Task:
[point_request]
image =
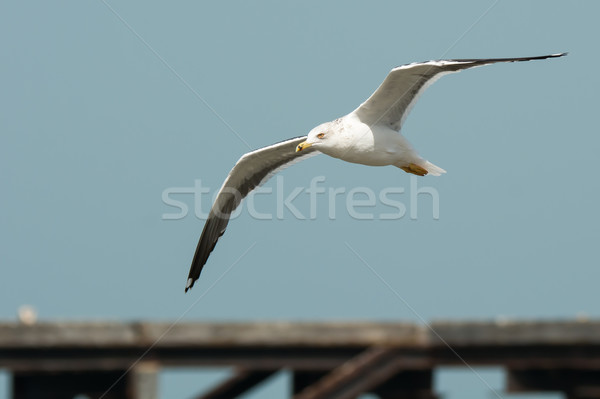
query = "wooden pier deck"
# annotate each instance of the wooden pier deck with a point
(52, 360)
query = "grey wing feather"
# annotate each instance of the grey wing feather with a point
(250, 171)
(394, 98)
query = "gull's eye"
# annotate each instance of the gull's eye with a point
(320, 135)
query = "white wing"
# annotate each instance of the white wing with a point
(250, 171)
(392, 101)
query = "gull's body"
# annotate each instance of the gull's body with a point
(369, 135)
(373, 145)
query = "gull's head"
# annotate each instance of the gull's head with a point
(320, 137)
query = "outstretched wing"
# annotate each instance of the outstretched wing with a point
(250, 171)
(392, 101)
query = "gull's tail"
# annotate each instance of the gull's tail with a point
(432, 169)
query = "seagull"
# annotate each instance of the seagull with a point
(369, 135)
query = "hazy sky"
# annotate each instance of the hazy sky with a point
(98, 125)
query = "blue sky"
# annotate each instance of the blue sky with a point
(97, 123)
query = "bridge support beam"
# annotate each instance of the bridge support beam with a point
(141, 382)
(378, 370)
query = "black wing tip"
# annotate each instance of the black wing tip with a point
(557, 55)
(189, 284)
(483, 61)
(514, 59)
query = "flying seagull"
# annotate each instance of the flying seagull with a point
(369, 135)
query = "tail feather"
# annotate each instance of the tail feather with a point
(432, 169)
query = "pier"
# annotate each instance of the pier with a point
(122, 360)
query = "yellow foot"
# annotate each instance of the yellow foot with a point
(414, 169)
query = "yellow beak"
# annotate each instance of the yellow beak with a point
(302, 146)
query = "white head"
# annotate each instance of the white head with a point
(321, 137)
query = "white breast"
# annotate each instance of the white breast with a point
(376, 145)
